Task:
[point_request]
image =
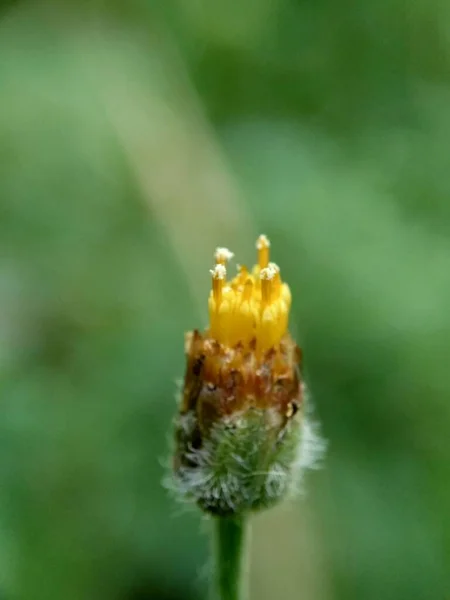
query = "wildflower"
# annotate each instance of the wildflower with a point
(241, 428)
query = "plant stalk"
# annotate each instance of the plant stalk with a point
(231, 572)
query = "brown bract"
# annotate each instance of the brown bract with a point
(221, 381)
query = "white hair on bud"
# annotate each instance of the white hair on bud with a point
(200, 481)
(312, 448)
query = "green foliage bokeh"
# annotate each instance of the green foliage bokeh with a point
(135, 136)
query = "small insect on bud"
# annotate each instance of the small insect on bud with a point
(241, 430)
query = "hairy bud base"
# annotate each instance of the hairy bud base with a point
(239, 427)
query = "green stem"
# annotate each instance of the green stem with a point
(230, 560)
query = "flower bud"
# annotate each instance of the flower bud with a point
(241, 433)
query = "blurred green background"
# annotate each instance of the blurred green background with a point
(137, 136)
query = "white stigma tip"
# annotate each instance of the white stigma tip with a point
(219, 272)
(262, 242)
(267, 273)
(223, 255)
(275, 268)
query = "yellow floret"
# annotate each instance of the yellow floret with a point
(251, 306)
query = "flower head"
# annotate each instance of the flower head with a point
(240, 423)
